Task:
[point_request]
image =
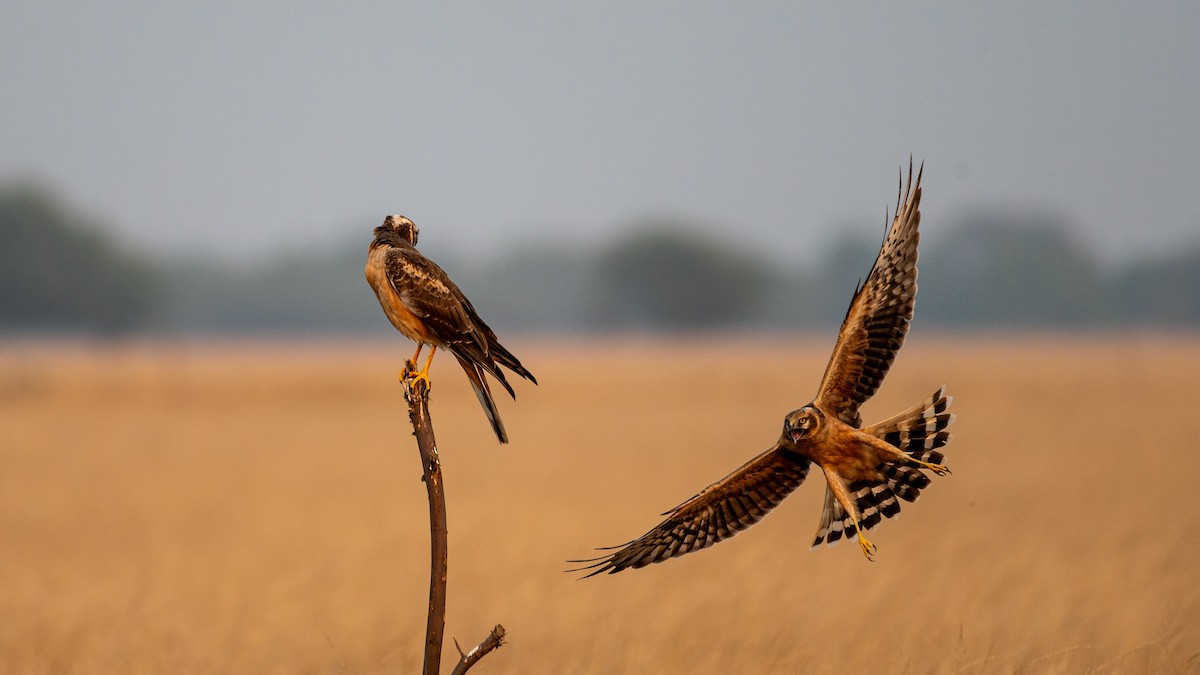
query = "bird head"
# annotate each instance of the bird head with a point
(400, 226)
(800, 424)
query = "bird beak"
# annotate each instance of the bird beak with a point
(791, 432)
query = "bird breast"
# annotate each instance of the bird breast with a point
(393, 306)
(838, 446)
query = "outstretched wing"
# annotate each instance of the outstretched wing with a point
(878, 317)
(720, 511)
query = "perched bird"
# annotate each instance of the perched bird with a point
(866, 469)
(427, 307)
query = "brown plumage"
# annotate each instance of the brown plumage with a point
(427, 307)
(866, 470)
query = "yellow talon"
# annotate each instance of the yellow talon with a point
(939, 469)
(868, 548)
(419, 375)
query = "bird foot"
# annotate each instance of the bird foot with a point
(868, 548)
(413, 378)
(939, 469)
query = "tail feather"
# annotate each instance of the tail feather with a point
(875, 501)
(471, 353)
(490, 366)
(491, 360)
(479, 383)
(905, 481)
(489, 346)
(506, 359)
(918, 432)
(831, 528)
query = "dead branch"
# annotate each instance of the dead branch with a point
(492, 641)
(417, 394)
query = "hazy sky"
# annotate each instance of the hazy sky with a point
(235, 126)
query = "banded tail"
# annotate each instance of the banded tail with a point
(918, 432)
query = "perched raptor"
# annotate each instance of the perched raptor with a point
(867, 470)
(423, 303)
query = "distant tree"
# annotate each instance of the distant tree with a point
(58, 272)
(1012, 270)
(1165, 291)
(307, 291)
(535, 286)
(665, 277)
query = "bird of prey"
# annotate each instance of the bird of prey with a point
(427, 307)
(867, 470)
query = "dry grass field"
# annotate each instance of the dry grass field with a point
(182, 508)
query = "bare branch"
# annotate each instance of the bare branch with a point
(416, 392)
(481, 650)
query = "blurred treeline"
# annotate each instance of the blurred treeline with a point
(59, 273)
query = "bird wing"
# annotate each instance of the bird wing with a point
(428, 292)
(718, 512)
(878, 317)
(496, 350)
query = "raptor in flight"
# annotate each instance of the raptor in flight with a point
(423, 303)
(867, 470)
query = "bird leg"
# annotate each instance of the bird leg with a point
(939, 469)
(887, 450)
(412, 363)
(867, 547)
(422, 374)
(843, 497)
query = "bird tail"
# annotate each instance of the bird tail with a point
(479, 383)
(506, 359)
(918, 432)
(491, 358)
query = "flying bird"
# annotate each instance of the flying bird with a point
(422, 302)
(867, 470)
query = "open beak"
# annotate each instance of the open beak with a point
(793, 433)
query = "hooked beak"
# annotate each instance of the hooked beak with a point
(793, 433)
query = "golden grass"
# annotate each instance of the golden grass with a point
(256, 508)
